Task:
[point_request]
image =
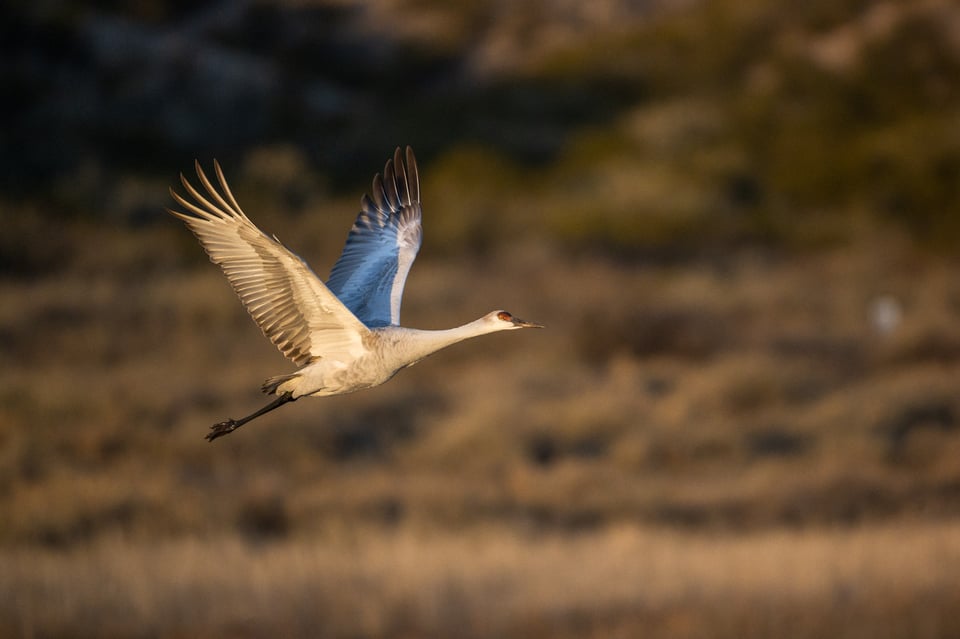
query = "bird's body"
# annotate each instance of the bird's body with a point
(385, 351)
(344, 334)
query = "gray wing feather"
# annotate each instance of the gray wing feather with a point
(288, 302)
(382, 244)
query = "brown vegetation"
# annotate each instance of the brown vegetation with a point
(886, 581)
(732, 450)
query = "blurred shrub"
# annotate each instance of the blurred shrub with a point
(472, 190)
(685, 334)
(702, 126)
(829, 109)
(29, 245)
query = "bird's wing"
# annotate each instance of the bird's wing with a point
(290, 304)
(381, 247)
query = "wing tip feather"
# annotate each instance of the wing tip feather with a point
(413, 177)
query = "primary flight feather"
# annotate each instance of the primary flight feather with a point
(345, 334)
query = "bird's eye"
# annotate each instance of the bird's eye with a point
(505, 316)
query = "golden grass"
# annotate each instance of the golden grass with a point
(724, 447)
(886, 581)
(751, 392)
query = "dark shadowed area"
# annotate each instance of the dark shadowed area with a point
(738, 220)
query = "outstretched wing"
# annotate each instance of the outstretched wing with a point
(290, 304)
(381, 247)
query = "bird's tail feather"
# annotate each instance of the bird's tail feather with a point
(273, 383)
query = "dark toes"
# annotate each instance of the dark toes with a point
(220, 429)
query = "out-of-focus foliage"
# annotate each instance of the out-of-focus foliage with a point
(820, 110)
(667, 128)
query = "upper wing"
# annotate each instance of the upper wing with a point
(382, 245)
(290, 304)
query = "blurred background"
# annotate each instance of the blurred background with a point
(738, 220)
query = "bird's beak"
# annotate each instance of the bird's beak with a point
(519, 323)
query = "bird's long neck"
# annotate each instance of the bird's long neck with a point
(417, 344)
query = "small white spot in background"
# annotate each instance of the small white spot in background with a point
(886, 313)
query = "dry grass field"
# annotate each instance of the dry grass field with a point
(719, 448)
(624, 581)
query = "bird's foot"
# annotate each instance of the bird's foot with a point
(222, 428)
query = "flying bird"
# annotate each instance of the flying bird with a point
(344, 335)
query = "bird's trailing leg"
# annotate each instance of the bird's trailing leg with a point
(224, 428)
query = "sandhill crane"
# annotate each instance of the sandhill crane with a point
(344, 335)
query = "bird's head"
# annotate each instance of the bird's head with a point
(504, 321)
